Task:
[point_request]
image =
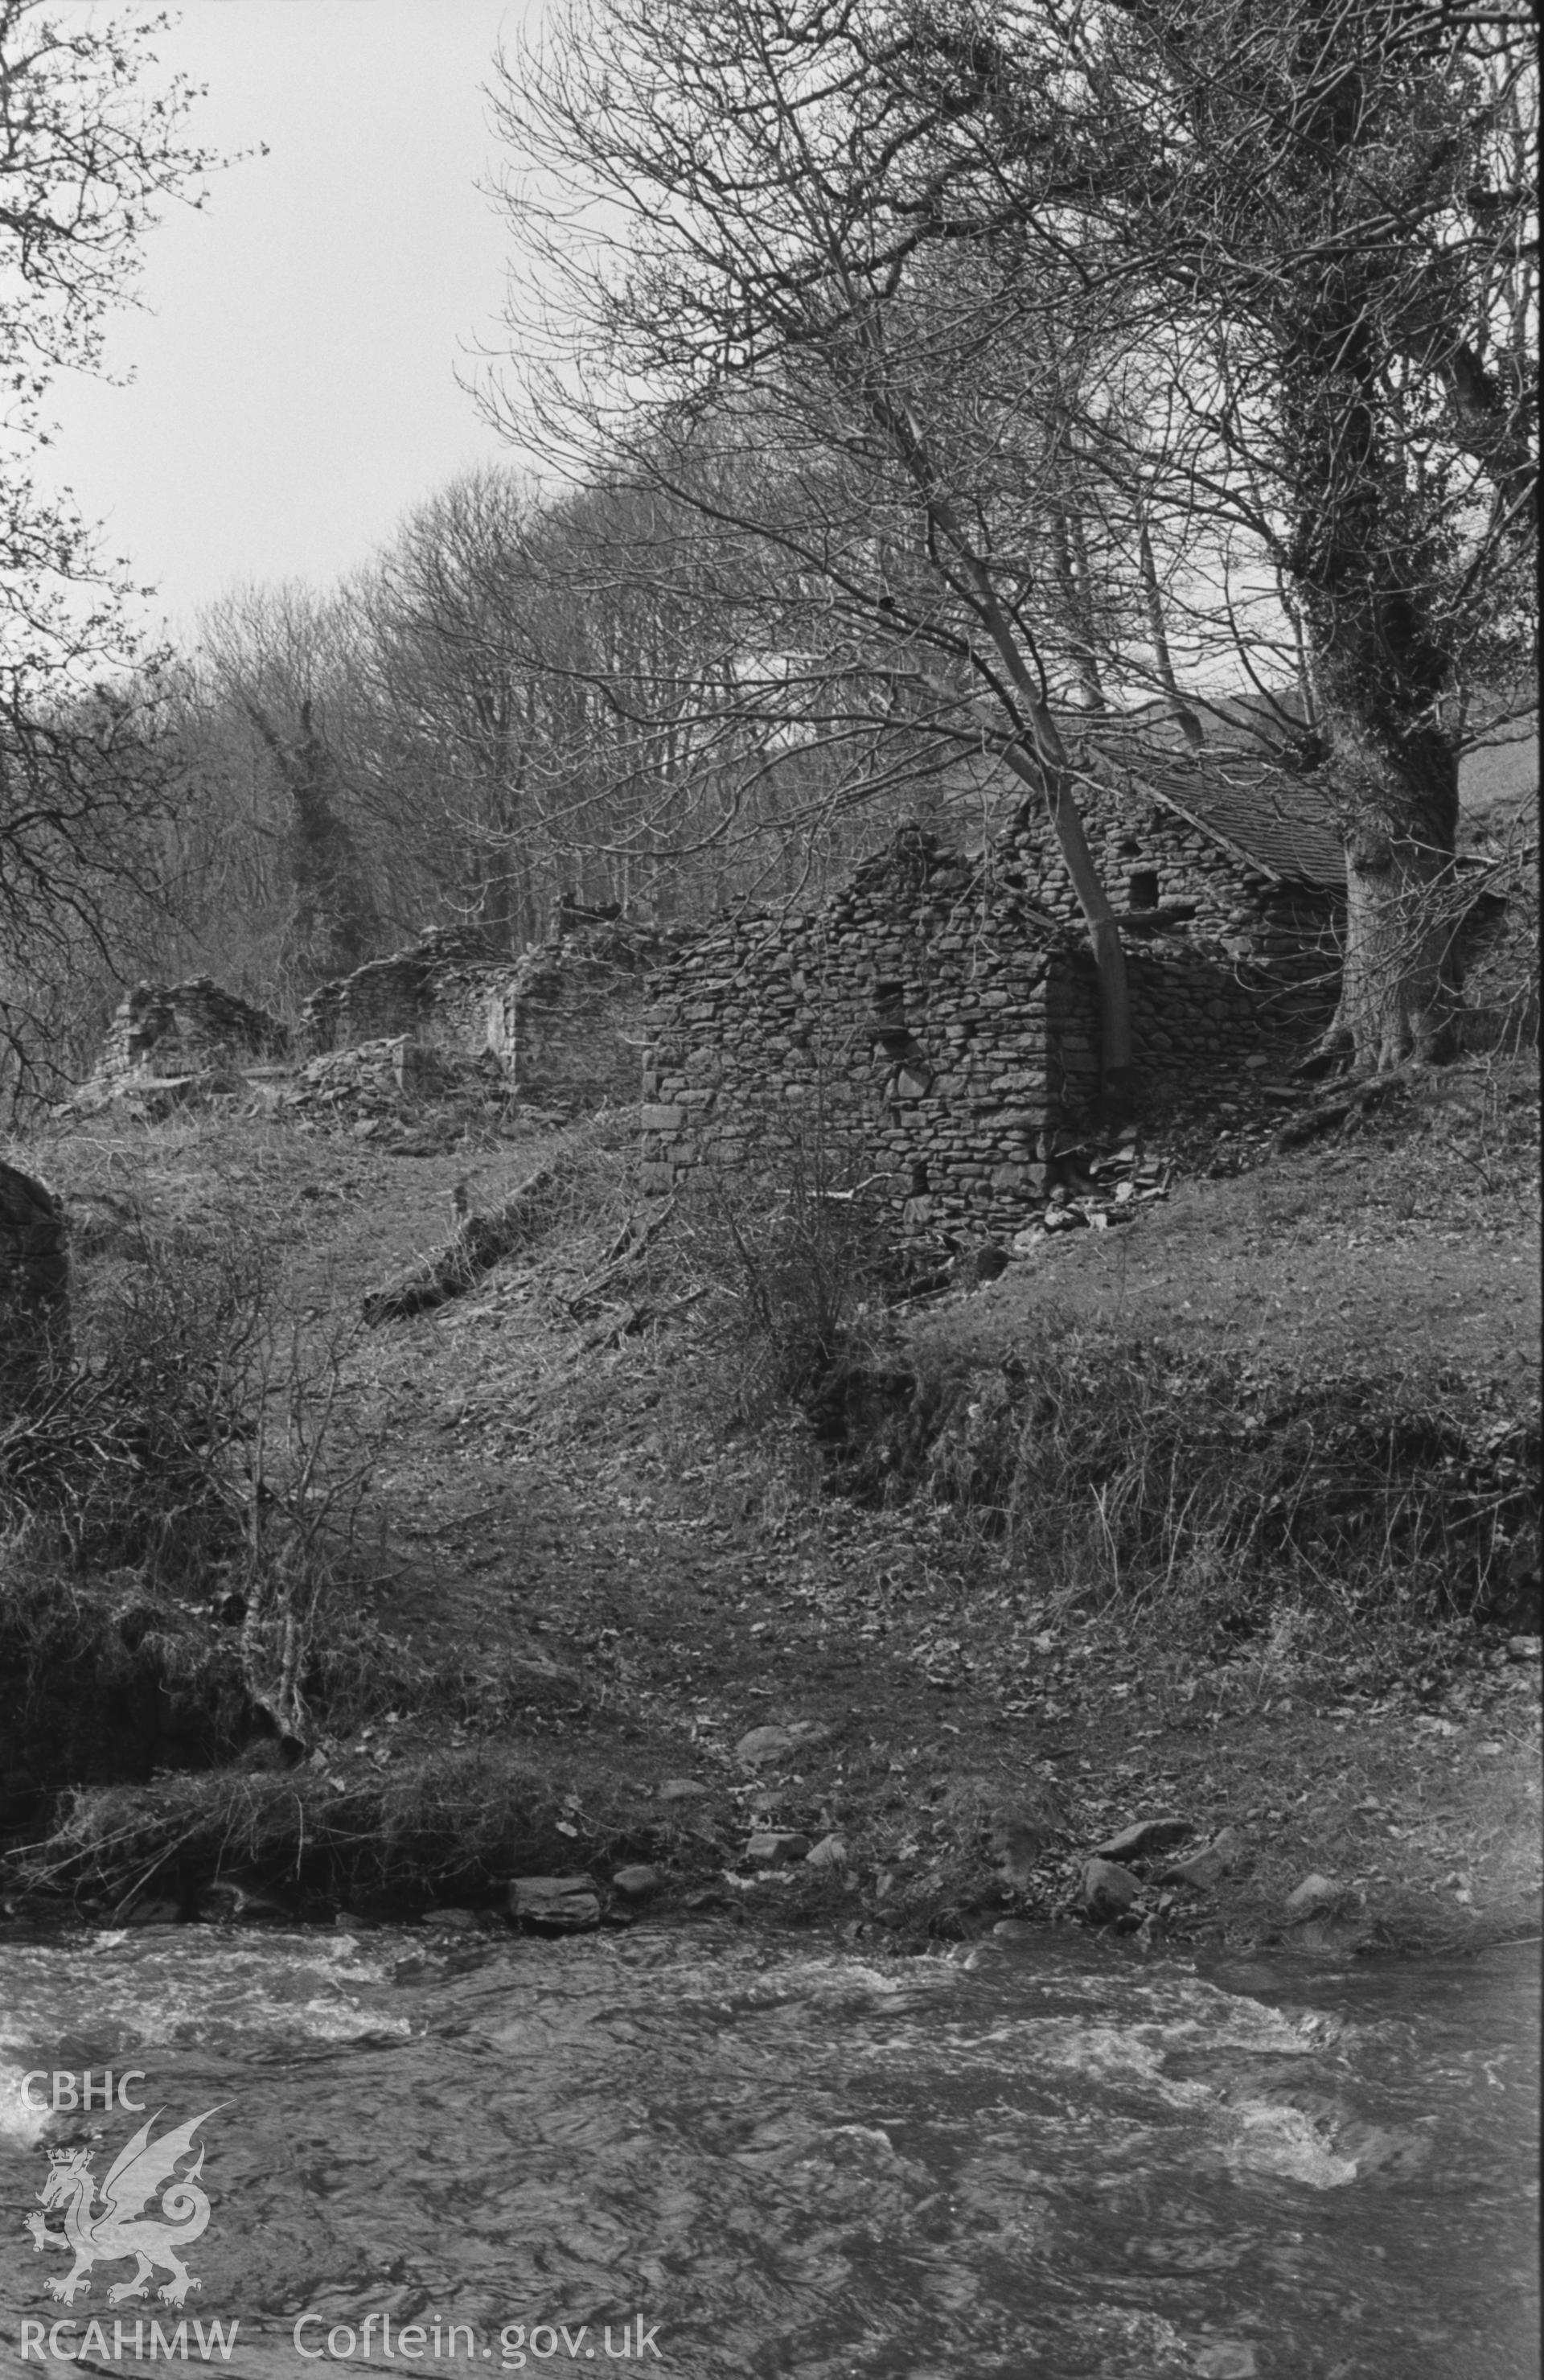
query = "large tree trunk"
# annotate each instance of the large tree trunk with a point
(1365, 576)
(1397, 1002)
(334, 905)
(1399, 797)
(1050, 779)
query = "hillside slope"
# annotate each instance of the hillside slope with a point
(595, 1550)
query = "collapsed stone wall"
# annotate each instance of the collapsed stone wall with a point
(442, 970)
(406, 1095)
(567, 1020)
(563, 1019)
(178, 1033)
(938, 1031)
(1498, 961)
(34, 1286)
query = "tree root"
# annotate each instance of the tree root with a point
(1354, 1100)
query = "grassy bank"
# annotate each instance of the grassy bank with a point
(1221, 1515)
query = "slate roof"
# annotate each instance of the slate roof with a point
(1287, 824)
(1266, 817)
(1274, 821)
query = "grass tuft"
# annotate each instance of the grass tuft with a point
(1122, 1470)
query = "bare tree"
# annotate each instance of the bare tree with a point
(278, 670)
(1242, 293)
(443, 655)
(556, 686)
(1329, 219)
(752, 322)
(87, 149)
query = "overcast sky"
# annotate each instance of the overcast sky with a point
(295, 388)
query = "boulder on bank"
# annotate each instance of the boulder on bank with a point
(34, 1285)
(765, 1744)
(568, 1905)
(1316, 1895)
(637, 1882)
(775, 1848)
(1144, 1839)
(1205, 1868)
(1108, 1890)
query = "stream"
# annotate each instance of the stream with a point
(704, 2154)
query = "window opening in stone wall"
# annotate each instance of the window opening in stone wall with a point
(1144, 888)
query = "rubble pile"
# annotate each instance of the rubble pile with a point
(1096, 1191)
(411, 1097)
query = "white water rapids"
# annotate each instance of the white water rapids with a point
(704, 2156)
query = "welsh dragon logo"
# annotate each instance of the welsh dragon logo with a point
(120, 2227)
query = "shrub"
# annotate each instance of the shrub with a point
(796, 1254)
(131, 1453)
(189, 1448)
(102, 1677)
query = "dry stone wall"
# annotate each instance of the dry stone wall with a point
(930, 1027)
(1151, 858)
(563, 1019)
(1498, 960)
(34, 1286)
(567, 1020)
(187, 1028)
(171, 1041)
(444, 969)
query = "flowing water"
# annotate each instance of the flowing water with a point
(710, 2156)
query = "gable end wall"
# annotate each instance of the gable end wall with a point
(932, 1030)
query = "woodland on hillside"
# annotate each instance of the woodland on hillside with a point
(890, 392)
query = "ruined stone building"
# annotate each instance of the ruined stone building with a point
(165, 1037)
(937, 1015)
(562, 1020)
(1240, 859)
(932, 1024)
(936, 1020)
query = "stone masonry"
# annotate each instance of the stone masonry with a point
(34, 1286)
(164, 1032)
(563, 1019)
(438, 981)
(568, 1019)
(1246, 861)
(930, 1020)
